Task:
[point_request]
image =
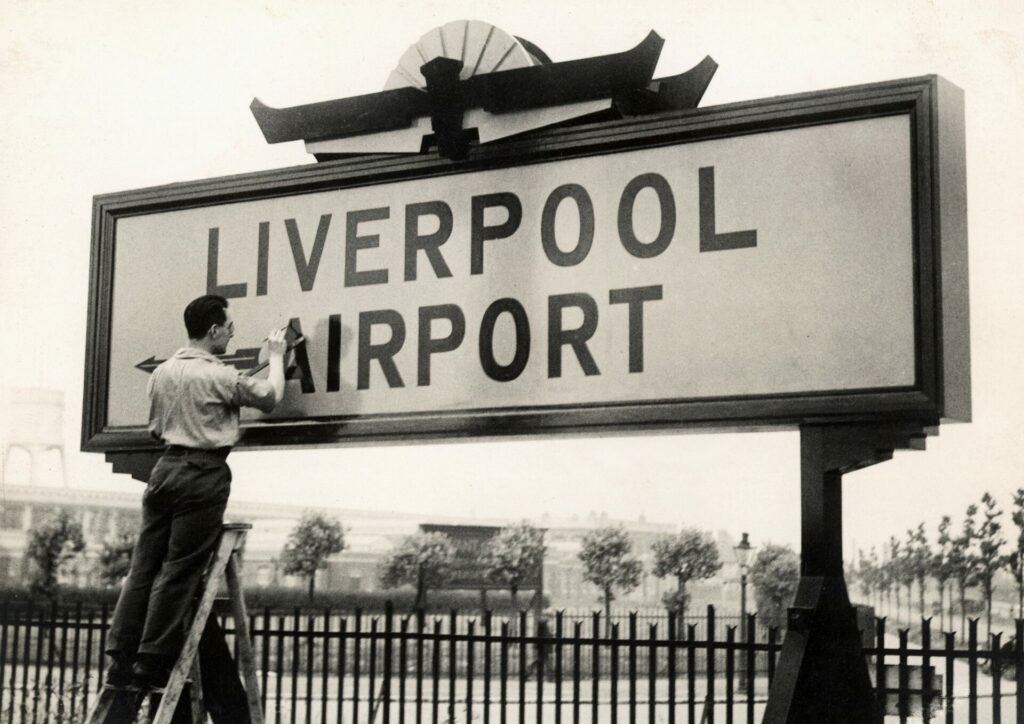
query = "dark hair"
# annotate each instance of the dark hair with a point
(204, 312)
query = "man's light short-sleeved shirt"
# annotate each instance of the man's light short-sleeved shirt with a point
(195, 400)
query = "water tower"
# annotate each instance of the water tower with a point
(33, 433)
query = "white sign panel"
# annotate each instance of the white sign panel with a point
(758, 266)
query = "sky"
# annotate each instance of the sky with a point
(107, 96)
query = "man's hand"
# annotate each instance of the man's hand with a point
(277, 345)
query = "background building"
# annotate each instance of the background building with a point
(32, 490)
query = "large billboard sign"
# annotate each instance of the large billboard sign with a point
(774, 262)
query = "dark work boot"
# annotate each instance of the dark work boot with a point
(151, 671)
(119, 673)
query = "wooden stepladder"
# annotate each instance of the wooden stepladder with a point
(224, 562)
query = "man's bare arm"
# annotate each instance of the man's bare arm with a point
(276, 348)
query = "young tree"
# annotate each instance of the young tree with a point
(875, 569)
(962, 561)
(894, 568)
(1015, 561)
(885, 583)
(52, 547)
(989, 559)
(315, 538)
(942, 568)
(690, 555)
(514, 555)
(864, 574)
(775, 574)
(424, 560)
(115, 559)
(918, 562)
(609, 563)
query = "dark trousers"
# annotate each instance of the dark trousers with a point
(223, 695)
(182, 513)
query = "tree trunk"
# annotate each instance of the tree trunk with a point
(515, 599)
(312, 584)
(942, 603)
(607, 611)
(963, 610)
(988, 609)
(421, 590)
(920, 594)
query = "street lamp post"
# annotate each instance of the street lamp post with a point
(742, 551)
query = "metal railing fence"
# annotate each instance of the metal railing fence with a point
(326, 666)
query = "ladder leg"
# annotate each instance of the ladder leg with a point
(247, 659)
(172, 692)
(196, 694)
(100, 707)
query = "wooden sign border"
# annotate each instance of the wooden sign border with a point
(942, 366)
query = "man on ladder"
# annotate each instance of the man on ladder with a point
(195, 400)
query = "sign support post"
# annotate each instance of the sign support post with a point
(822, 673)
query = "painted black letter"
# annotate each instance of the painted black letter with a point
(334, 353)
(514, 368)
(635, 298)
(627, 233)
(229, 291)
(429, 345)
(354, 242)
(428, 243)
(263, 259)
(479, 233)
(301, 368)
(383, 352)
(709, 239)
(306, 269)
(585, 209)
(577, 338)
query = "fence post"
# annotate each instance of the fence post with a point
(470, 634)
(926, 669)
(558, 667)
(521, 634)
(296, 625)
(613, 676)
(453, 620)
(972, 671)
(880, 662)
(730, 671)
(950, 651)
(595, 664)
(1018, 673)
(576, 653)
(632, 667)
(503, 668)
(903, 677)
(709, 700)
(342, 664)
(385, 684)
(751, 667)
(403, 666)
(995, 641)
(487, 667)
(652, 672)
(691, 671)
(325, 658)
(672, 669)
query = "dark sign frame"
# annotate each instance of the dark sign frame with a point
(942, 364)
